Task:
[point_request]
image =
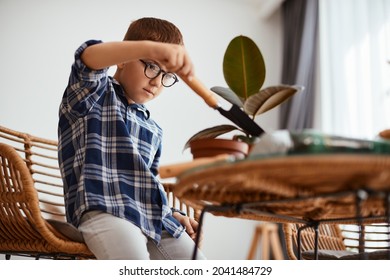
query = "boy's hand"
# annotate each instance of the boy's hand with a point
(190, 225)
(176, 59)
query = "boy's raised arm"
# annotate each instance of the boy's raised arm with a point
(172, 56)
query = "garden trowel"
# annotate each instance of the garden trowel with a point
(235, 114)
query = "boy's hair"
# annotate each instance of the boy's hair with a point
(154, 29)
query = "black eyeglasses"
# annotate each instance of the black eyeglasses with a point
(152, 71)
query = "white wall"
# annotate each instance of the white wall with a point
(38, 39)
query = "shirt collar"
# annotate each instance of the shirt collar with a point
(121, 93)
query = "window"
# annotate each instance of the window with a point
(355, 67)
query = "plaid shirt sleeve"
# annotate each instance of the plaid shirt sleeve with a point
(109, 152)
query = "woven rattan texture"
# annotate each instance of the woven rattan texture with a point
(330, 238)
(30, 192)
(308, 187)
(334, 237)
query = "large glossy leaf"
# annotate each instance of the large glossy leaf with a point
(211, 132)
(243, 67)
(229, 95)
(269, 98)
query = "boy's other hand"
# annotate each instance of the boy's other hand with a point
(176, 59)
(190, 225)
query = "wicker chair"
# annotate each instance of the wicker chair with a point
(338, 241)
(32, 211)
(32, 215)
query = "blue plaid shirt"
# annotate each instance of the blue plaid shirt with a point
(109, 152)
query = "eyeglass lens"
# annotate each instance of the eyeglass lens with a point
(153, 70)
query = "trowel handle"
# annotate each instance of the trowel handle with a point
(208, 96)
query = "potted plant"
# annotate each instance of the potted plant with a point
(244, 72)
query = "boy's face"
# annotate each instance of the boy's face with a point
(138, 88)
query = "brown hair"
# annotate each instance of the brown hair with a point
(154, 29)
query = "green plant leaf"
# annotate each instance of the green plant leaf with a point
(269, 98)
(243, 67)
(211, 132)
(229, 95)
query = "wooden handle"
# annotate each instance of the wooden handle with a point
(385, 134)
(208, 96)
(172, 170)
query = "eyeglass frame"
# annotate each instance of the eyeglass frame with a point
(147, 64)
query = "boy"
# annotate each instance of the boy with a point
(109, 147)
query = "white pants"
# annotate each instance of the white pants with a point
(113, 238)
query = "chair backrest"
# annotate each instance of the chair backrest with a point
(329, 238)
(17, 194)
(375, 237)
(23, 230)
(19, 198)
(334, 237)
(40, 156)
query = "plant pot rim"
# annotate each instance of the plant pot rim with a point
(217, 141)
(215, 146)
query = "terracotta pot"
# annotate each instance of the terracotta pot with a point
(213, 147)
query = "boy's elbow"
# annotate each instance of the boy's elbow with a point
(89, 59)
